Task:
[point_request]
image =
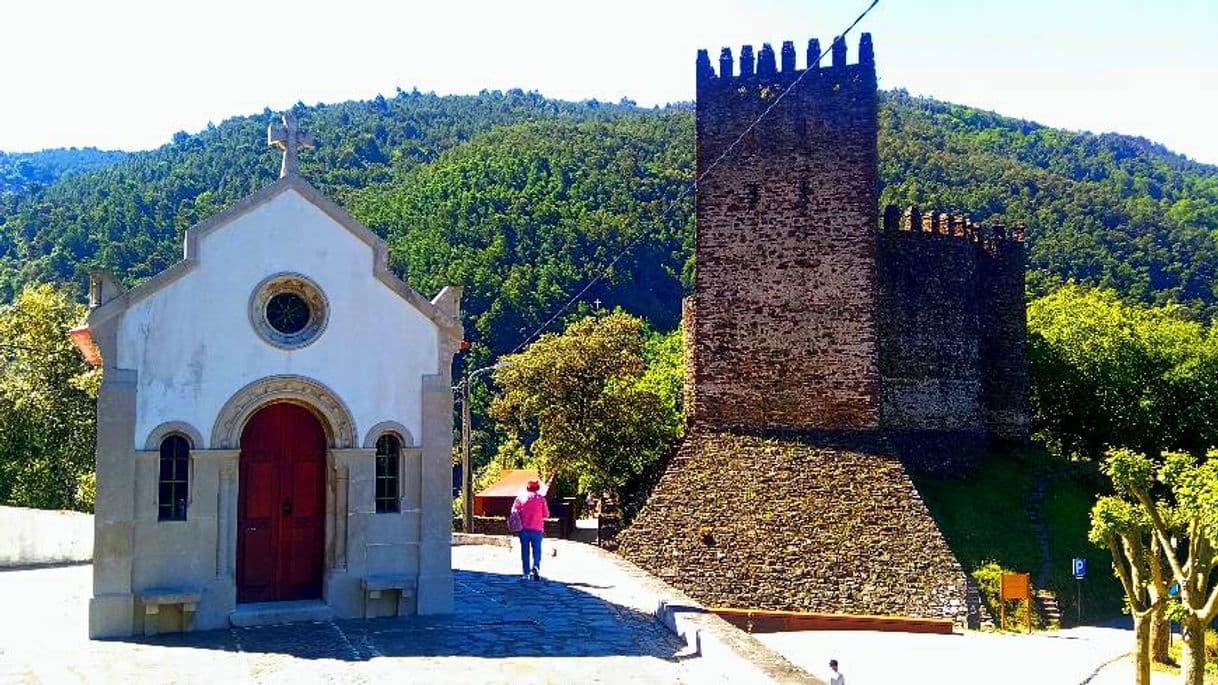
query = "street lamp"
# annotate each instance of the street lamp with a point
(467, 476)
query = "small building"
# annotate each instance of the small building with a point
(497, 499)
(274, 427)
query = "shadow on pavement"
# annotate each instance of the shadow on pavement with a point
(496, 616)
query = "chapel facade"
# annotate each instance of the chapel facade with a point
(274, 425)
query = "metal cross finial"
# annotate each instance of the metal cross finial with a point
(596, 305)
(289, 138)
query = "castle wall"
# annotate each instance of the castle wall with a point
(952, 327)
(1004, 332)
(930, 357)
(784, 303)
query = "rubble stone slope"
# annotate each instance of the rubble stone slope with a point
(786, 522)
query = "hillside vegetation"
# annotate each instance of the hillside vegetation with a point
(522, 197)
(21, 170)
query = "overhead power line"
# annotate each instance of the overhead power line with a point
(664, 215)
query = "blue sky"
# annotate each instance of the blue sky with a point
(124, 74)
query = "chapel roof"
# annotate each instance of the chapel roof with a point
(442, 310)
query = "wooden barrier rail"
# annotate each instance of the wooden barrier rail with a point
(773, 621)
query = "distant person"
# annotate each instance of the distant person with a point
(835, 678)
(533, 511)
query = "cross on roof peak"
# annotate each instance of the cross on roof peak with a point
(289, 138)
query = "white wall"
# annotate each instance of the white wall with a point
(34, 536)
(373, 353)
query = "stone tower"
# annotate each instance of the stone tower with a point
(782, 325)
(787, 492)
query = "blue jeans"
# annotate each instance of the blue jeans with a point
(530, 539)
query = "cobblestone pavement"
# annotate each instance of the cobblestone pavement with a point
(589, 622)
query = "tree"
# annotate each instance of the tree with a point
(1183, 517)
(1110, 373)
(1123, 528)
(47, 403)
(587, 402)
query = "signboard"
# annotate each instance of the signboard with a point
(1080, 568)
(1016, 586)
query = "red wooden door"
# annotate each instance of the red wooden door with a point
(281, 505)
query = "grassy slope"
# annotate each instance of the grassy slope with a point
(984, 519)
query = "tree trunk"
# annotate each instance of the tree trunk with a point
(1160, 634)
(1192, 654)
(1141, 649)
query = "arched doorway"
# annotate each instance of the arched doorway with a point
(281, 505)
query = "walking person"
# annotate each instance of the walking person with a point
(835, 677)
(533, 510)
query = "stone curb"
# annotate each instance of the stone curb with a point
(707, 635)
(460, 539)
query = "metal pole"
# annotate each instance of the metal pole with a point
(1079, 583)
(467, 479)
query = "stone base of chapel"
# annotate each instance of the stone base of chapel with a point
(435, 594)
(111, 616)
(345, 595)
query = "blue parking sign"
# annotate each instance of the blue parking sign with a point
(1080, 568)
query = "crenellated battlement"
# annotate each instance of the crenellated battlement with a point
(767, 68)
(935, 223)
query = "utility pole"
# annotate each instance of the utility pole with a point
(467, 475)
(467, 480)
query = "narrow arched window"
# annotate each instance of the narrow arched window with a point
(175, 479)
(388, 454)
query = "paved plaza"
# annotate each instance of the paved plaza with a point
(591, 621)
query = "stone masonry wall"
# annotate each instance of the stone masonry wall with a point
(784, 305)
(1004, 334)
(930, 356)
(741, 520)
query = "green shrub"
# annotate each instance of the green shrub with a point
(989, 580)
(86, 490)
(1211, 652)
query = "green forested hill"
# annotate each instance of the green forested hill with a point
(522, 214)
(130, 216)
(521, 197)
(1107, 209)
(20, 170)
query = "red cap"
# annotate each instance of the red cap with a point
(533, 486)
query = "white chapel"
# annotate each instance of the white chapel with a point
(274, 427)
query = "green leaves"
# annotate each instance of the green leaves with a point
(47, 403)
(585, 397)
(1114, 517)
(1131, 472)
(1107, 372)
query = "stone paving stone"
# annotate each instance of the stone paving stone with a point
(590, 621)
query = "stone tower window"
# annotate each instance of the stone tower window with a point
(174, 482)
(288, 311)
(388, 457)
